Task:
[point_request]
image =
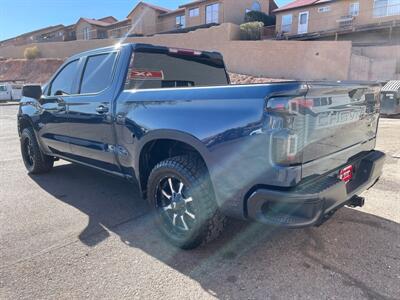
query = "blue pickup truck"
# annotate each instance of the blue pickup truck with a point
(287, 154)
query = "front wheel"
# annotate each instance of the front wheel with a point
(35, 161)
(180, 193)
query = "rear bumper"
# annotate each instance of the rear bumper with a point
(311, 203)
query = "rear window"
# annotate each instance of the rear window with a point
(170, 70)
(3, 88)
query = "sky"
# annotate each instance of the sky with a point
(20, 16)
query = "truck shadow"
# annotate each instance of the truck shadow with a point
(354, 249)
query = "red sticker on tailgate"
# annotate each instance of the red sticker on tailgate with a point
(146, 75)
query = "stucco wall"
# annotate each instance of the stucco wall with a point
(288, 59)
(279, 59)
(80, 28)
(202, 17)
(144, 20)
(168, 22)
(383, 62)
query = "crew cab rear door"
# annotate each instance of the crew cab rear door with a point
(90, 114)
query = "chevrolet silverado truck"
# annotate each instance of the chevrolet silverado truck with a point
(284, 154)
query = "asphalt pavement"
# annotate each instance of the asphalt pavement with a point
(76, 233)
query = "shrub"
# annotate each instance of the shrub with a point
(32, 52)
(251, 30)
(259, 16)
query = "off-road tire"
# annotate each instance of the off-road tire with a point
(193, 173)
(37, 162)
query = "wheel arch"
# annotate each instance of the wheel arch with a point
(24, 121)
(164, 144)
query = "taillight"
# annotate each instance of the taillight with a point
(185, 51)
(285, 149)
(287, 141)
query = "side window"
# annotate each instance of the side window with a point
(98, 73)
(62, 84)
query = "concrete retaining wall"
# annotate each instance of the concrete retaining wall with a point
(382, 63)
(289, 59)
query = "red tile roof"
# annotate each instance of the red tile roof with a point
(179, 10)
(94, 22)
(155, 7)
(296, 4)
(109, 19)
(192, 3)
(163, 9)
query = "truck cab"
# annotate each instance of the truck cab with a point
(5, 92)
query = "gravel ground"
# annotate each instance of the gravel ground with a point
(76, 233)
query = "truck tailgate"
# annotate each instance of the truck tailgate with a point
(339, 122)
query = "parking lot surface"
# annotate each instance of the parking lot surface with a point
(76, 233)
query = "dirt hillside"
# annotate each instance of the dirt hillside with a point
(32, 71)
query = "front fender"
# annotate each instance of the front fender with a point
(28, 114)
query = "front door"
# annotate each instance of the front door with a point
(90, 115)
(54, 131)
(303, 23)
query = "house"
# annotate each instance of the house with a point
(144, 18)
(148, 19)
(69, 33)
(84, 29)
(47, 34)
(89, 29)
(362, 21)
(119, 29)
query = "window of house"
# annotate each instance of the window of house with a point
(102, 34)
(180, 21)
(98, 73)
(354, 9)
(63, 83)
(383, 8)
(194, 12)
(324, 9)
(256, 6)
(287, 23)
(86, 33)
(212, 13)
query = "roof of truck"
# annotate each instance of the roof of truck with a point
(135, 46)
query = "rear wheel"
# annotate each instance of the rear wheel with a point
(180, 193)
(35, 161)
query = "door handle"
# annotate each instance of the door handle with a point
(102, 109)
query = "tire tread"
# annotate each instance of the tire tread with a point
(193, 168)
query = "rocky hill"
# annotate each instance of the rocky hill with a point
(32, 71)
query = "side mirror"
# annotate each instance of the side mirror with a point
(32, 91)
